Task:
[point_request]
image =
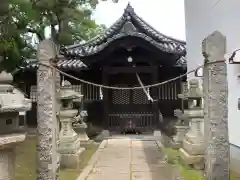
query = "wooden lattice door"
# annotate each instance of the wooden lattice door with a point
(128, 104)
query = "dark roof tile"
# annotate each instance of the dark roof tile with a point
(141, 29)
(61, 63)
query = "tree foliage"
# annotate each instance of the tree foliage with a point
(21, 21)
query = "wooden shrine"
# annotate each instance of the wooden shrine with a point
(129, 47)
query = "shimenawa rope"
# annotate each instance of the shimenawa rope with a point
(130, 88)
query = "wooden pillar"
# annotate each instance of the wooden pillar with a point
(155, 96)
(216, 87)
(47, 156)
(105, 98)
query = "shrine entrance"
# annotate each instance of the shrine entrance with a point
(130, 110)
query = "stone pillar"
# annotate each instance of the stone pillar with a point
(10, 135)
(69, 146)
(217, 151)
(58, 87)
(192, 151)
(47, 158)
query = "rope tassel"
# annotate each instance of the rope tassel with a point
(144, 90)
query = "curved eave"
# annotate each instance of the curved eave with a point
(182, 63)
(100, 38)
(76, 64)
(129, 15)
(154, 33)
(64, 64)
(168, 47)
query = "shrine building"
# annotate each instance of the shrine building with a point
(128, 50)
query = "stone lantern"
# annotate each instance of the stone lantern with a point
(69, 142)
(193, 147)
(10, 134)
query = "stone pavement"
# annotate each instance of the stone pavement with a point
(131, 159)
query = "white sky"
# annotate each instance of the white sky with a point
(166, 16)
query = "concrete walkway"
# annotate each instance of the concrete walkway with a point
(131, 159)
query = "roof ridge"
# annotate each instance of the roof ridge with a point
(109, 32)
(113, 26)
(156, 31)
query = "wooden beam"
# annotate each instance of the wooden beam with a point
(142, 69)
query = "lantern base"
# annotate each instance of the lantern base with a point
(71, 161)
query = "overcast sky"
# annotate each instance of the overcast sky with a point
(167, 16)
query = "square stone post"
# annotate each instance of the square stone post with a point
(215, 84)
(47, 131)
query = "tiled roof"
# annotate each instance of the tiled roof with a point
(61, 63)
(78, 64)
(130, 24)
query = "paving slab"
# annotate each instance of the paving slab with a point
(145, 167)
(130, 159)
(108, 174)
(149, 176)
(117, 163)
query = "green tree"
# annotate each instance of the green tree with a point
(13, 44)
(21, 21)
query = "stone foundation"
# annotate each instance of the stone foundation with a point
(197, 161)
(71, 161)
(193, 148)
(69, 145)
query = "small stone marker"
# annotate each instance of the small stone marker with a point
(215, 80)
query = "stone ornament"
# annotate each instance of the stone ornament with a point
(69, 142)
(193, 147)
(182, 118)
(80, 126)
(181, 128)
(11, 103)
